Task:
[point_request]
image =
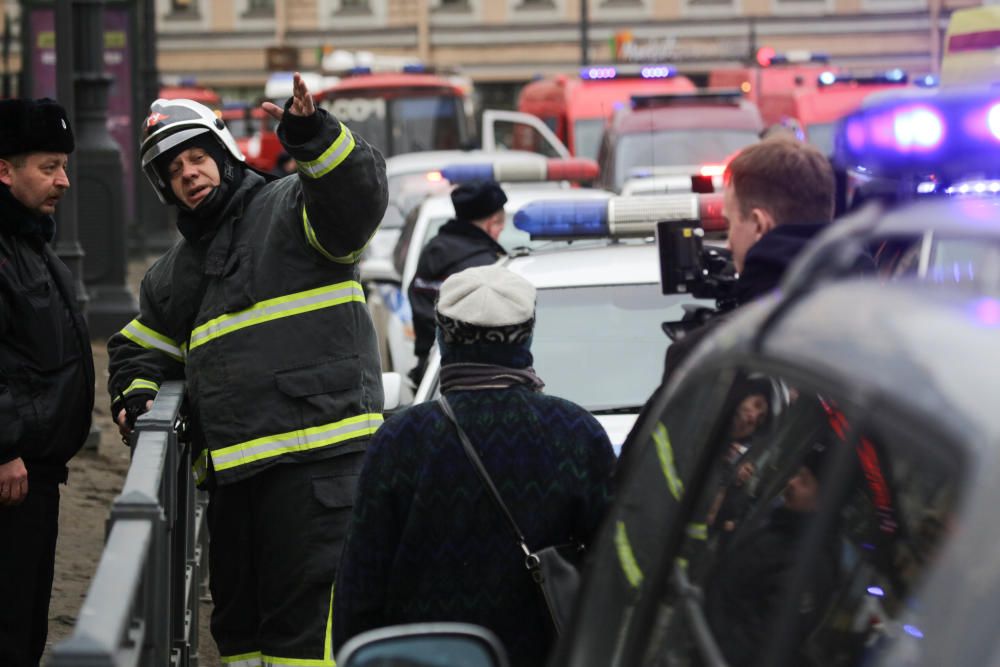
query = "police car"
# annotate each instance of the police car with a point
(524, 180)
(599, 303)
(859, 527)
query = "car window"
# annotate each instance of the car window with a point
(809, 532)
(676, 148)
(515, 135)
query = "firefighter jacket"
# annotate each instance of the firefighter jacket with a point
(46, 365)
(266, 319)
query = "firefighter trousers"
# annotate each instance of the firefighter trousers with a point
(275, 543)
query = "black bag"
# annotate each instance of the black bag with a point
(557, 577)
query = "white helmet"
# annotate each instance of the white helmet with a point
(171, 123)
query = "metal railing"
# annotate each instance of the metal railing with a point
(142, 605)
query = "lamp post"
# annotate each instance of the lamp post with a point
(584, 32)
(100, 176)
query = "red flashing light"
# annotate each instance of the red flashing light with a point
(572, 169)
(710, 213)
(713, 169)
(764, 55)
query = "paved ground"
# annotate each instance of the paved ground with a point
(95, 479)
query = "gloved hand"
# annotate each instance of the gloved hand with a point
(135, 406)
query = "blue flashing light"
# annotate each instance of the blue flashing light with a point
(564, 219)
(918, 128)
(465, 173)
(895, 75)
(993, 120)
(876, 591)
(360, 69)
(827, 78)
(913, 631)
(414, 68)
(927, 81)
(657, 72)
(598, 73)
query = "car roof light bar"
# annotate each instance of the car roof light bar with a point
(628, 71)
(524, 171)
(730, 97)
(618, 217)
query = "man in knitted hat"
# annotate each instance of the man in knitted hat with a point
(46, 369)
(258, 308)
(470, 239)
(450, 556)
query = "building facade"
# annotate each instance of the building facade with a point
(224, 43)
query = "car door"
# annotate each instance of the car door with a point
(803, 543)
(515, 130)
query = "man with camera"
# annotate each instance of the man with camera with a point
(779, 194)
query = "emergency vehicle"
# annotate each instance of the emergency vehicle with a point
(773, 73)
(972, 47)
(577, 108)
(675, 135)
(402, 112)
(817, 109)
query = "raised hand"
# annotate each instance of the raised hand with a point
(302, 102)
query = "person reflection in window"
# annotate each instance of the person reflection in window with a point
(744, 590)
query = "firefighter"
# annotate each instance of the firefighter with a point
(258, 308)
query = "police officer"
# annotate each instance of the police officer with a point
(258, 307)
(46, 370)
(470, 239)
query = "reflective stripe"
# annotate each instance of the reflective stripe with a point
(666, 454)
(138, 384)
(327, 660)
(200, 467)
(143, 336)
(300, 440)
(273, 309)
(682, 562)
(314, 242)
(243, 660)
(697, 531)
(331, 157)
(626, 558)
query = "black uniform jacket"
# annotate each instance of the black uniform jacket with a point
(458, 245)
(46, 366)
(266, 320)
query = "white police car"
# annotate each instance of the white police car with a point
(599, 302)
(860, 526)
(523, 182)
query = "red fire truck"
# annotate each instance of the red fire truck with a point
(577, 108)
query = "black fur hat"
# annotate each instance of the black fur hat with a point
(34, 126)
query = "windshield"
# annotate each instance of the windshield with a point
(587, 135)
(677, 148)
(404, 124)
(821, 136)
(596, 346)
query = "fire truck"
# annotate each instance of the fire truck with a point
(577, 108)
(773, 73)
(404, 111)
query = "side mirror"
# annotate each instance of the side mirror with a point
(398, 393)
(424, 645)
(379, 270)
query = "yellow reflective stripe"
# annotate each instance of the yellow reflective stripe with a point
(314, 242)
(271, 661)
(200, 467)
(331, 157)
(697, 531)
(328, 642)
(243, 660)
(278, 307)
(626, 557)
(138, 384)
(143, 336)
(300, 440)
(666, 454)
(683, 562)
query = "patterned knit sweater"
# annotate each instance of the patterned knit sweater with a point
(427, 542)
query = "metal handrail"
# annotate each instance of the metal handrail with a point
(151, 559)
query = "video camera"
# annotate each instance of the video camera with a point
(687, 266)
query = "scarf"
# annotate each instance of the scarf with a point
(476, 377)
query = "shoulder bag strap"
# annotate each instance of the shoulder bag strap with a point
(481, 469)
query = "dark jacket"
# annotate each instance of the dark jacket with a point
(427, 542)
(744, 590)
(458, 245)
(265, 318)
(46, 366)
